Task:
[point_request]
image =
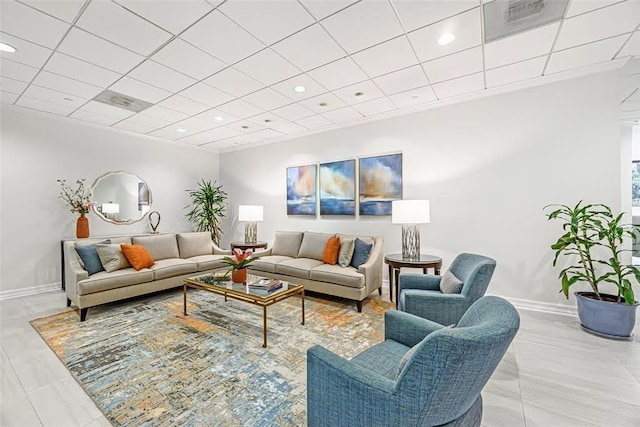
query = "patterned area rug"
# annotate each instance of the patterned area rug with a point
(144, 363)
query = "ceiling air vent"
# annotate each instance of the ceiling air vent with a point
(122, 101)
(504, 18)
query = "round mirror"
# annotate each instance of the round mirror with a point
(121, 197)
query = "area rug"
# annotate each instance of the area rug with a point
(144, 363)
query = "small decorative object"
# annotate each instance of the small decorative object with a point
(251, 214)
(380, 183)
(208, 205)
(238, 264)
(301, 190)
(595, 235)
(154, 222)
(338, 188)
(79, 201)
(410, 213)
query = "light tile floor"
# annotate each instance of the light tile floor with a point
(554, 375)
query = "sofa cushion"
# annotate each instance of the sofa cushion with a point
(346, 276)
(172, 267)
(313, 245)
(347, 245)
(331, 251)
(194, 244)
(450, 284)
(138, 256)
(161, 246)
(89, 256)
(287, 243)
(104, 281)
(361, 252)
(300, 267)
(111, 257)
(268, 263)
(366, 239)
(207, 262)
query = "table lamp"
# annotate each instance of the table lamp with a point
(410, 213)
(250, 214)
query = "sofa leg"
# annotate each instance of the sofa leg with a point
(359, 305)
(83, 314)
(68, 302)
(380, 290)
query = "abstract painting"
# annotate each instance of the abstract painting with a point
(301, 190)
(338, 188)
(380, 183)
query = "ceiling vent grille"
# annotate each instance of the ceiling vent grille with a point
(504, 18)
(120, 100)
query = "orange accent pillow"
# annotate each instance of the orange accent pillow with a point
(138, 256)
(331, 251)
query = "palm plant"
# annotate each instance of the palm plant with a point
(208, 206)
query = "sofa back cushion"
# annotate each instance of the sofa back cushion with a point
(194, 244)
(287, 243)
(160, 246)
(313, 245)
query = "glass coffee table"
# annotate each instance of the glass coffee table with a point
(243, 292)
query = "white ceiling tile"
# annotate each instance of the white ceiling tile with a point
(12, 85)
(516, 72)
(171, 132)
(340, 73)
(521, 46)
(454, 65)
(400, 81)
(314, 122)
(107, 110)
(85, 46)
(195, 124)
(342, 115)
(576, 7)
(309, 48)
(141, 123)
(206, 94)
(214, 115)
(222, 38)
(312, 88)
(460, 86)
(364, 24)
(140, 90)
(67, 10)
(245, 126)
(322, 8)
(165, 114)
(54, 96)
(267, 99)
(96, 118)
(40, 105)
(240, 108)
(267, 119)
(465, 26)
(17, 71)
(293, 112)
(413, 97)
(386, 57)
(632, 47)
(367, 88)
(267, 67)
(183, 105)
(30, 24)
(375, 106)
(181, 56)
(220, 133)
(26, 52)
(332, 102)
(66, 85)
(173, 16)
(161, 76)
(261, 135)
(269, 21)
(80, 70)
(288, 127)
(599, 24)
(580, 56)
(415, 14)
(7, 97)
(234, 82)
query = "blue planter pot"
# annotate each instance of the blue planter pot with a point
(606, 319)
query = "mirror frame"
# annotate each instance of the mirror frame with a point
(113, 221)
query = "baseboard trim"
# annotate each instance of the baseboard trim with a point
(543, 307)
(32, 290)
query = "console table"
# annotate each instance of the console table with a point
(396, 262)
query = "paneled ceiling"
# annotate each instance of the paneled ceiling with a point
(222, 74)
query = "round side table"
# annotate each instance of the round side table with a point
(396, 262)
(244, 246)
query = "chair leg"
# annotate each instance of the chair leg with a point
(68, 302)
(83, 314)
(359, 305)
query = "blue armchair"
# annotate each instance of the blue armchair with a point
(423, 374)
(420, 294)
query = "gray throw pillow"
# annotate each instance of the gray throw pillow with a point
(346, 251)
(111, 257)
(406, 358)
(450, 284)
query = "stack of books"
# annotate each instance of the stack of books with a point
(268, 285)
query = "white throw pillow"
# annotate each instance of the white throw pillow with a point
(111, 257)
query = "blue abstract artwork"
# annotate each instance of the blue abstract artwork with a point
(380, 182)
(301, 190)
(338, 188)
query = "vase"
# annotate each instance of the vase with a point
(82, 227)
(239, 276)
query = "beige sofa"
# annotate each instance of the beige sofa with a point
(176, 257)
(297, 257)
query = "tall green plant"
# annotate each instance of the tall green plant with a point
(589, 231)
(208, 206)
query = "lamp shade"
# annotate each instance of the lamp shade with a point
(110, 208)
(249, 213)
(410, 212)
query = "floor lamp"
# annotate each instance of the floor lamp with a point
(410, 213)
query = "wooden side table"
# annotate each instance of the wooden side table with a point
(244, 246)
(396, 262)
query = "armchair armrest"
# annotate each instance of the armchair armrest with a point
(425, 282)
(372, 269)
(217, 250)
(406, 328)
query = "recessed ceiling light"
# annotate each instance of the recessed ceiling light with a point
(414, 97)
(68, 99)
(359, 94)
(446, 38)
(299, 89)
(218, 118)
(181, 130)
(323, 104)
(7, 48)
(267, 120)
(245, 127)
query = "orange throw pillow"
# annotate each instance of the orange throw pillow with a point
(138, 256)
(331, 251)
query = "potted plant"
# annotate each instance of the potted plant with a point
(594, 237)
(79, 202)
(238, 264)
(208, 206)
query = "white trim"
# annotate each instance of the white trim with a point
(544, 307)
(33, 290)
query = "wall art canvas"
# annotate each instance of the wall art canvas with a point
(380, 182)
(338, 188)
(301, 190)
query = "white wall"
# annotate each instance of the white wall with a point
(488, 167)
(37, 149)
